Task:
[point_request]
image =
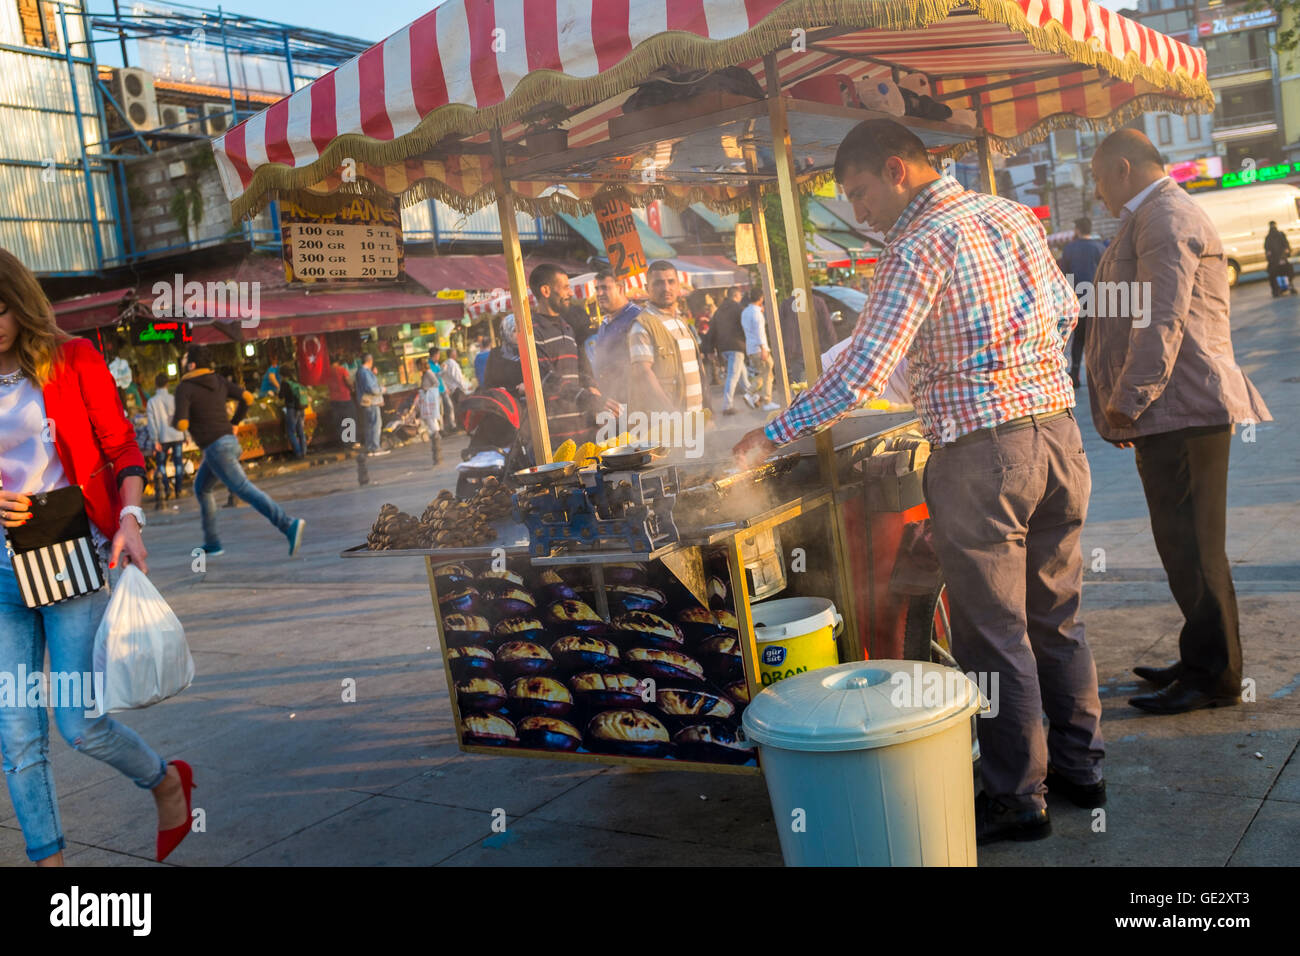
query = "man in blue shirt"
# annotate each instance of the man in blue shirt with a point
(370, 395)
(1079, 263)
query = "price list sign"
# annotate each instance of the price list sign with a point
(361, 242)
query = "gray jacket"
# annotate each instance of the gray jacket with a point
(1159, 346)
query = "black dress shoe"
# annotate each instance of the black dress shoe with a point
(1160, 676)
(995, 821)
(1086, 795)
(1178, 698)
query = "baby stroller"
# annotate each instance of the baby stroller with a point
(497, 435)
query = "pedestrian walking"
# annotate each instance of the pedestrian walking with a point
(168, 442)
(1277, 252)
(457, 386)
(294, 400)
(430, 408)
(201, 410)
(1008, 482)
(48, 377)
(757, 353)
(1165, 382)
(728, 340)
(370, 396)
(1079, 261)
(343, 405)
(792, 340)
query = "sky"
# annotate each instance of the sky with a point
(368, 21)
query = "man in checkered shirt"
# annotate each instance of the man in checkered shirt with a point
(967, 290)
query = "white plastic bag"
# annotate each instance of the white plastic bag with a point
(140, 647)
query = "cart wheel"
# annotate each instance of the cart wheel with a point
(927, 635)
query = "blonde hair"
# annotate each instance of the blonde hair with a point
(39, 338)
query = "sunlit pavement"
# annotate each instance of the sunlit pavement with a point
(291, 773)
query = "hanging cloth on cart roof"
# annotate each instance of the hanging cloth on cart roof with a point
(412, 116)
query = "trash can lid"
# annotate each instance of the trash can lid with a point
(860, 705)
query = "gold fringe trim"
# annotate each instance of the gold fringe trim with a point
(688, 51)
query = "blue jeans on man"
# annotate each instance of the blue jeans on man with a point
(174, 450)
(374, 425)
(735, 372)
(293, 424)
(221, 463)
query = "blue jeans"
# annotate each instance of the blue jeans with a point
(67, 630)
(293, 421)
(374, 425)
(735, 371)
(176, 449)
(221, 463)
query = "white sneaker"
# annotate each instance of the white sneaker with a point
(771, 407)
(751, 400)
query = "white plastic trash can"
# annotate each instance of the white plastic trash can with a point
(869, 764)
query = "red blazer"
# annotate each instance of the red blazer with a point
(94, 439)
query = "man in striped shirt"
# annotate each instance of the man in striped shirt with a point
(673, 382)
(967, 290)
(571, 397)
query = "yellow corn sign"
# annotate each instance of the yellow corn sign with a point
(622, 241)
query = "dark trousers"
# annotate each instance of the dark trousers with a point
(342, 412)
(1185, 476)
(1076, 347)
(1007, 511)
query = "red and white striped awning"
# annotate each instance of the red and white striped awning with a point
(411, 117)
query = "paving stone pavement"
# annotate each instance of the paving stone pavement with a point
(290, 774)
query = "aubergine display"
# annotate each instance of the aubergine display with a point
(622, 598)
(631, 572)
(463, 629)
(574, 616)
(711, 742)
(479, 694)
(739, 692)
(488, 730)
(698, 623)
(524, 628)
(628, 733)
(643, 629)
(540, 696)
(549, 733)
(511, 602)
(721, 657)
(612, 690)
(663, 666)
(552, 587)
(470, 661)
(584, 652)
(695, 706)
(495, 582)
(448, 576)
(521, 658)
(461, 599)
(717, 593)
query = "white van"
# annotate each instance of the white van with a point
(1242, 215)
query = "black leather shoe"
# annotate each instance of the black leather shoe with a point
(1178, 698)
(1160, 676)
(995, 821)
(1086, 795)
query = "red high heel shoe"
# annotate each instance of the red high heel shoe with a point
(169, 840)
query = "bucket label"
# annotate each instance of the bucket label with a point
(769, 678)
(773, 656)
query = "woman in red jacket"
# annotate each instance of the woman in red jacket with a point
(62, 423)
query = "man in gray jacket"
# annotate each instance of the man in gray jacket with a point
(1162, 379)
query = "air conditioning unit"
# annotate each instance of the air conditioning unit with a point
(175, 118)
(135, 93)
(216, 118)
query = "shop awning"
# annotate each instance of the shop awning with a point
(718, 222)
(95, 310)
(475, 273)
(737, 275)
(651, 242)
(333, 312)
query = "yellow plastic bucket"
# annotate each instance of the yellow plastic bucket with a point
(795, 635)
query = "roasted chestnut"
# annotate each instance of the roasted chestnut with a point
(540, 696)
(663, 666)
(693, 704)
(549, 733)
(512, 603)
(630, 733)
(448, 576)
(643, 629)
(463, 599)
(721, 657)
(525, 628)
(552, 587)
(470, 661)
(574, 616)
(488, 730)
(583, 652)
(712, 742)
(480, 694)
(609, 691)
(520, 658)
(462, 629)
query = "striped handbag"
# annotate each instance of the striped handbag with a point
(53, 556)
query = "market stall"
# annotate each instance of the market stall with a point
(718, 104)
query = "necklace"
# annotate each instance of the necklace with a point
(13, 378)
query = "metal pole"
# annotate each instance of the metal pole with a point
(988, 182)
(92, 205)
(768, 279)
(541, 436)
(288, 58)
(121, 34)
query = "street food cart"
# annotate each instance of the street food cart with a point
(631, 638)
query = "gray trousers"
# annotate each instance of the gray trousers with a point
(1007, 511)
